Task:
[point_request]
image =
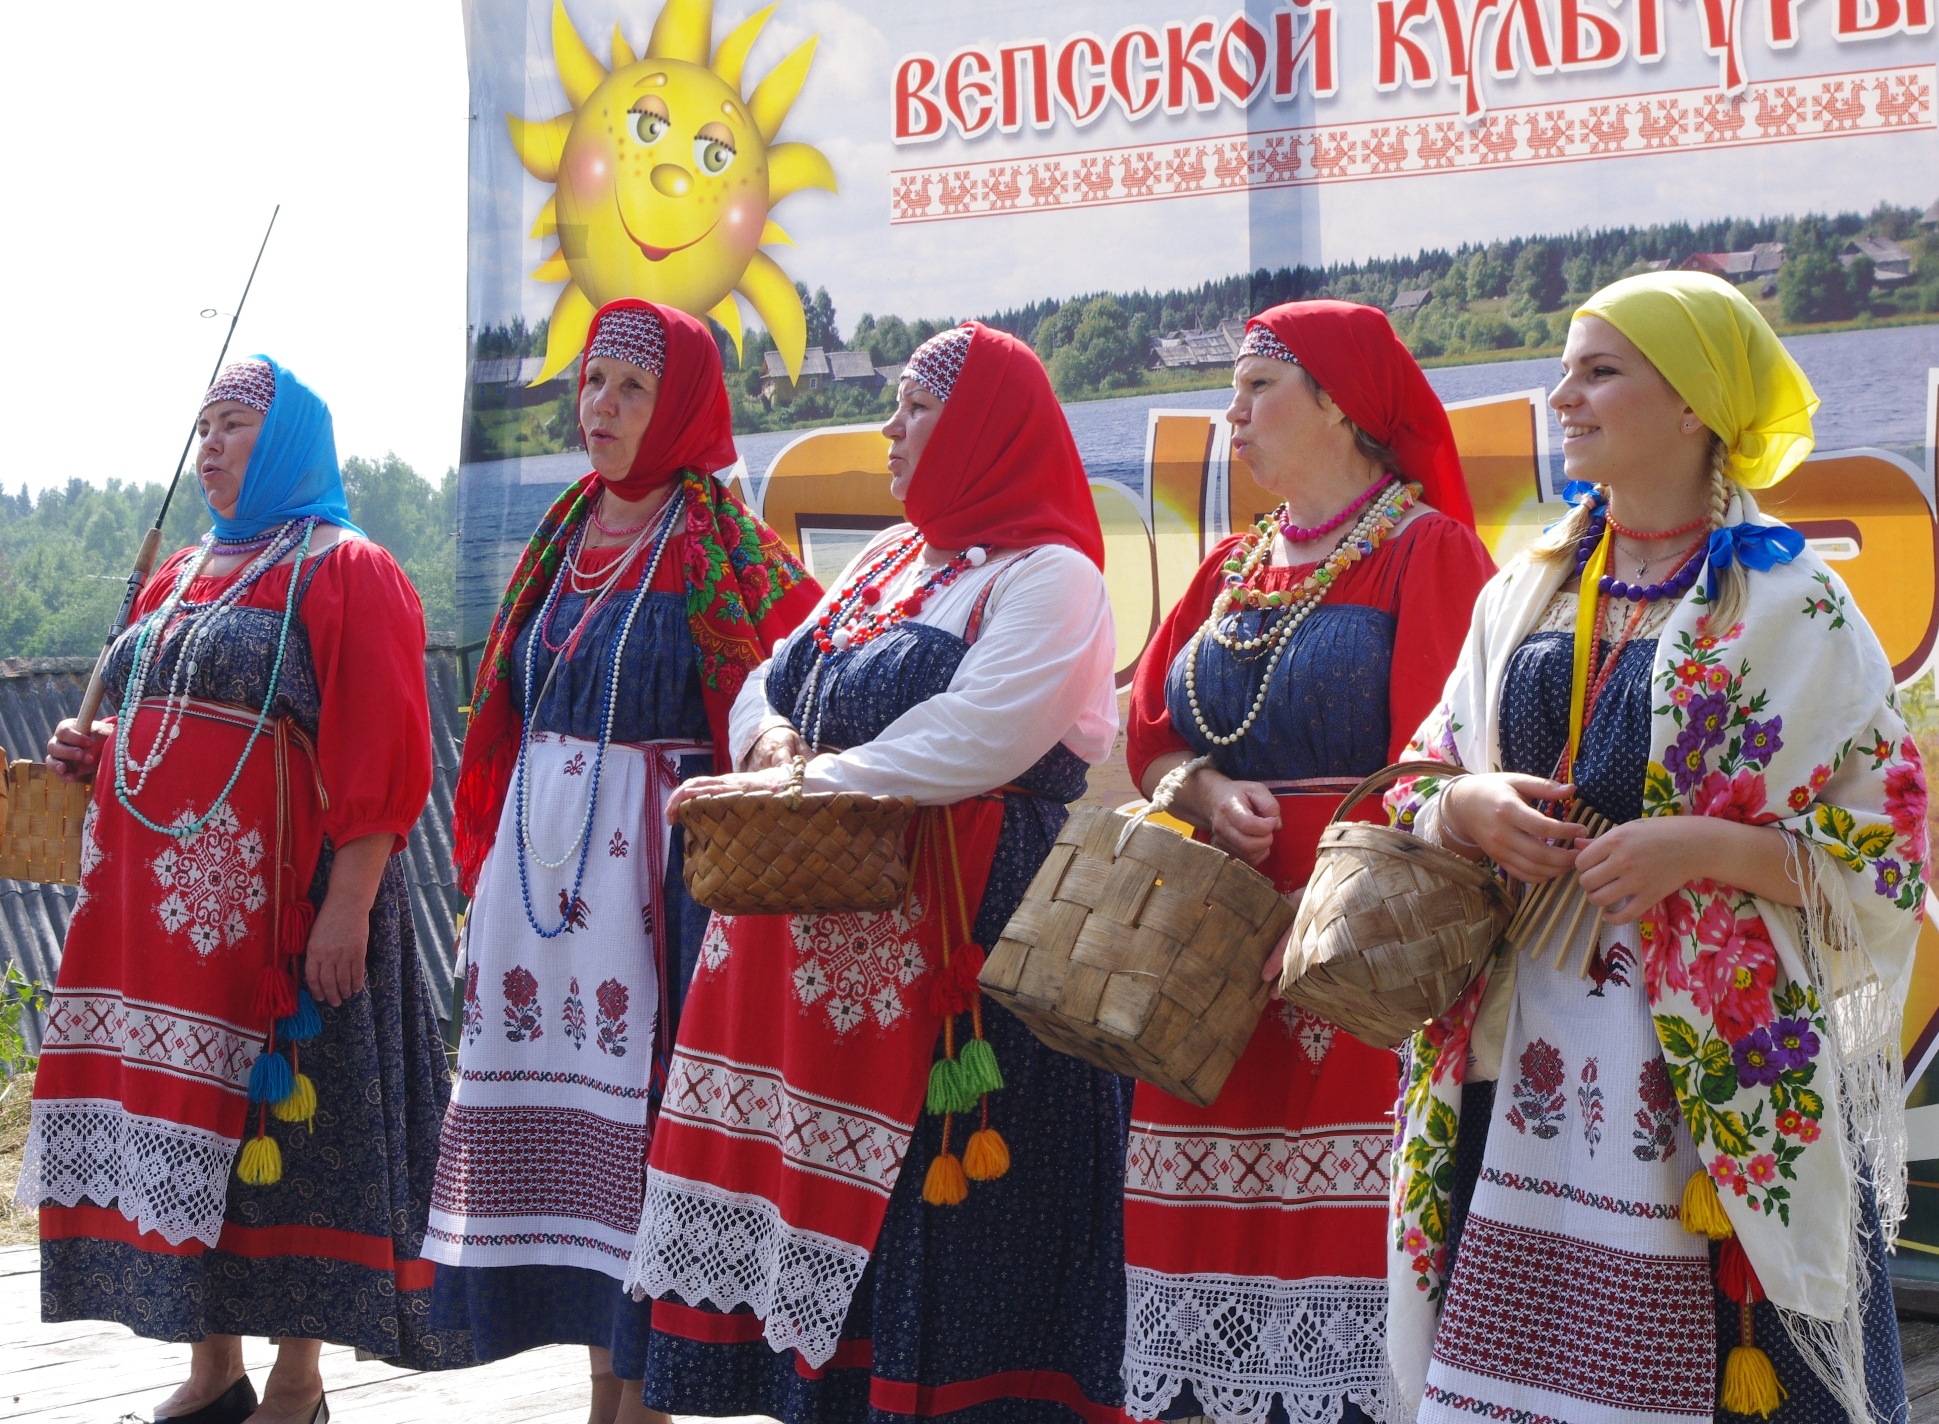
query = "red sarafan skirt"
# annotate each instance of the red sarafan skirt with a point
(1254, 1229)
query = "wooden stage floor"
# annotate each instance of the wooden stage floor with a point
(87, 1372)
(90, 1373)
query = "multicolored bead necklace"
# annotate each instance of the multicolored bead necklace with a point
(843, 624)
(1376, 524)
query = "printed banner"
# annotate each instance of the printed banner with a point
(831, 181)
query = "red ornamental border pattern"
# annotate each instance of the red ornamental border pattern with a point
(1339, 1166)
(497, 1162)
(813, 1134)
(1635, 1331)
(153, 1036)
(1671, 121)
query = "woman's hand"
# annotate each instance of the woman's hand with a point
(772, 778)
(73, 755)
(779, 745)
(1241, 817)
(1630, 869)
(333, 963)
(1276, 961)
(1493, 814)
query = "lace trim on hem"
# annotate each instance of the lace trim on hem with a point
(163, 1176)
(727, 1249)
(1243, 1341)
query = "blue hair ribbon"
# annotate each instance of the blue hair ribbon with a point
(1755, 546)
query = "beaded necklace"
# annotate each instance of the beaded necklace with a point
(197, 620)
(1675, 586)
(865, 591)
(1369, 532)
(1299, 534)
(522, 811)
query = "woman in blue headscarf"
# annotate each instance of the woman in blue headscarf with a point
(236, 1118)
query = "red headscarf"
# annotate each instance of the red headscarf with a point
(1352, 353)
(1001, 468)
(693, 425)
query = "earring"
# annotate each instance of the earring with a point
(1688, 426)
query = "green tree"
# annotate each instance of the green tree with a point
(1103, 352)
(1811, 286)
(1487, 272)
(1538, 283)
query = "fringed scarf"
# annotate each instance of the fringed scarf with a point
(745, 593)
(1779, 1027)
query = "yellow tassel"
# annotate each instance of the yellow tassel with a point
(300, 1105)
(986, 1156)
(945, 1185)
(262, 1162)
(1750, 1383)
(1703, 1213)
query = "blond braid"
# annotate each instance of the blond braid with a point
(1730, 584)
(1559, 544)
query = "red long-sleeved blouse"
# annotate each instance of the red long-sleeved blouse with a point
(366, 631)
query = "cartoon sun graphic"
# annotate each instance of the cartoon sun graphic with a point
(665, 177)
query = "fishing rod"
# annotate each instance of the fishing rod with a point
(151, 543)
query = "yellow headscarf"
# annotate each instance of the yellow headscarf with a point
(1722, 357)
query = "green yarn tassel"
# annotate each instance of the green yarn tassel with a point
(947, 1092)
(980, 1072)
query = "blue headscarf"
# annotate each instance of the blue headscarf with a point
(293, 469)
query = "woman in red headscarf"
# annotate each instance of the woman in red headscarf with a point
(643, 600)
(1299, 660)
(965, 659)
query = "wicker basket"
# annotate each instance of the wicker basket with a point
(41, 839)
(1140, 953)
(792, 853)
(1391, 929)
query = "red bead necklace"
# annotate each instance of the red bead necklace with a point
(843, 625)
(1623, 529)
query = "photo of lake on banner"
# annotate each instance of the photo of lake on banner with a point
(1872, 383)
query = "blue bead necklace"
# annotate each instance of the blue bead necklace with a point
(582, 842)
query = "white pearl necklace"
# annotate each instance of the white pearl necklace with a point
(1366, 530)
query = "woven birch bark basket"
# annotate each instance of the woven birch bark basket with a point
(1391, 929)
(40, 824)
(791, 852)
(1140, 951)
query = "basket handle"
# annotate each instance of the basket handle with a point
(797, 773)
(1388, 775)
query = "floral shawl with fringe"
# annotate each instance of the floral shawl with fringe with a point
(1779, 1027)
(745, 592)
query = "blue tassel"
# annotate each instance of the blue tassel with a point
(303, 1025)
(271, 1079)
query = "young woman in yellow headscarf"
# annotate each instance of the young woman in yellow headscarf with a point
(1648, 1171)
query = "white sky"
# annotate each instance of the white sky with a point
(150, 142)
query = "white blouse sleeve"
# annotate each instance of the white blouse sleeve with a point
(1040, 674)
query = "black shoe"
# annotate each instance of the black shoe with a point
(321, 1415)
(232, 1406)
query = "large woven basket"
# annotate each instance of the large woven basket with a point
(1391, 929)
(40, 832)
(791, 852)
(1140, 953)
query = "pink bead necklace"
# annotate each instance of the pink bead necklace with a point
(1298, 534)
